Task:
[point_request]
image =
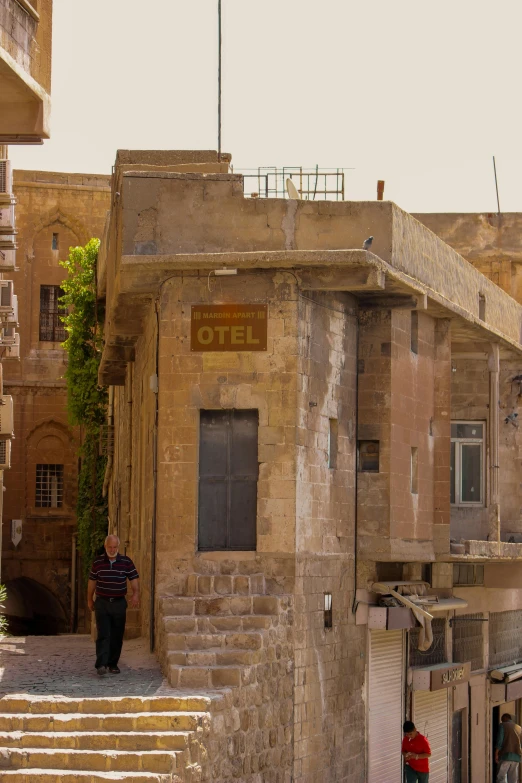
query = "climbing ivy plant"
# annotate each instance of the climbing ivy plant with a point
(86, 399)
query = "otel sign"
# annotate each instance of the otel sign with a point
(228, 327)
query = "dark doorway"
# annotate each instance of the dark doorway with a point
(32, 610)
(457, 746)
(494, 733)
(228, 472)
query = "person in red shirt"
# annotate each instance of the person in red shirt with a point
(416, 751)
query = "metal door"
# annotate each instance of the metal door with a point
(430, 715)
(228, 471)
(457, 746)
(385, 706)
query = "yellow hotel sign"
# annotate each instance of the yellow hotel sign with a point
(228, 328)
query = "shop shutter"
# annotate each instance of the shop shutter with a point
(430, 715)
(386, 696)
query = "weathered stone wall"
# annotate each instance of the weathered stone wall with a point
(72, 206)
(182, 209)
(493, 246)
(404, 404)
(329, 669)
(470, 402)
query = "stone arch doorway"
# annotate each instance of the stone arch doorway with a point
(32, 610)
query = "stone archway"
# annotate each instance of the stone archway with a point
(32, 610)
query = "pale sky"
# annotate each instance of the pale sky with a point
(420, 94)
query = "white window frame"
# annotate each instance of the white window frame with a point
(459, 442)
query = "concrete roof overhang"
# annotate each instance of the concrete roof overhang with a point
(375, 283)
(26, 106)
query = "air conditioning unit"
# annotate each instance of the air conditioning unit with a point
(13, 351)
(6, 417)
(7, 242)
(7, 260)
(6, 296)
(7, 218)
(12, 317)
(6, 181)
(8, 335)
(5, 454)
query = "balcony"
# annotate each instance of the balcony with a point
(25, 72)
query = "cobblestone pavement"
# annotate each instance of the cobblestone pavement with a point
(64, 666)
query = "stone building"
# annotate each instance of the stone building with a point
(25, 70)
(310, 440)
(54, 212)
(25, 104)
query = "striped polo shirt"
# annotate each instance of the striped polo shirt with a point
(111, 578)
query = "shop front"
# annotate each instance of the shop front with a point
(439, 710)
(385, 705)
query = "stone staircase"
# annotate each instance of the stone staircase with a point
(142, 740)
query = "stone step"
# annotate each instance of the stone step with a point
(204, 676)
(96, 740)
(91, 706)
(75, 721)
(214, 657)
(224, 584)
(223, 606)
(207, 625)
(238, 641)
(38, 775)
(101, 761)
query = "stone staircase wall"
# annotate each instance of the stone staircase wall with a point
(225, 633)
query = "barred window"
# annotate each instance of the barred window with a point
(51, 326)
(49, 486)
(468, 641)
(505, 638)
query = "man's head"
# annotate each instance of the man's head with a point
(409, 729)
(506, 717)
(112, 544)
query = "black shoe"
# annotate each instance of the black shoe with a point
(114, 670)
(101, 670)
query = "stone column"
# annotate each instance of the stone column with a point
(494, 418)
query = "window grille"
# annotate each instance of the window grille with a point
(49, 486)
(468, 642)
(437, 651)
(51, 326)
(505, 638)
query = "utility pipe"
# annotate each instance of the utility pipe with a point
(494, 434)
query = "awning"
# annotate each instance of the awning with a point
(507, 673)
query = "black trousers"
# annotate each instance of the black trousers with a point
(110, 623)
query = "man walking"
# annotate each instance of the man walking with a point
(508, 750)
(108, 583)
(416, 751)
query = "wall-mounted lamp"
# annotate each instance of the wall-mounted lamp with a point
(225, 272)
(328, 618)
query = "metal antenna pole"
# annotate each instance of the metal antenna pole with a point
(496, 186)
(219, 80)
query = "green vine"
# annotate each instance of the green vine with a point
(86, 400)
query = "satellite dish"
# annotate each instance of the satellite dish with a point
(291, 189)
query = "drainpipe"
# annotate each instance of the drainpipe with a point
(110, 442)
(494, 428)
(155, 389)
(73, 584)
(356, 466)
